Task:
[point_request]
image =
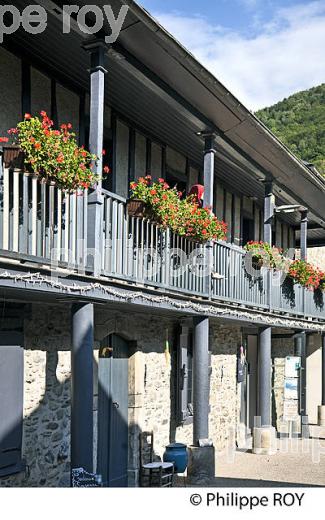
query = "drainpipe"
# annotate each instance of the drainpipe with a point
(97, 50)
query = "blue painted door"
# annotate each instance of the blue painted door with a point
(112, 452)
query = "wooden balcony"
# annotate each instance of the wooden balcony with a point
(42, 225)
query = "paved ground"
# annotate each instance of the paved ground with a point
(300, 464)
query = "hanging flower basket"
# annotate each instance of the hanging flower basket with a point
(257, 262)
(53, 155)
(13, 157)
(166, 207)
(136, 208)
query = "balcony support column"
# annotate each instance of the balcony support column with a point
(201, 454)
(82, 386)
(209, 161)
(97, 49)
(300, 340)
(303, 235)
(321, 409)
(264, 438)
(269, 207)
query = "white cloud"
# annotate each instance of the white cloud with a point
(287, 54)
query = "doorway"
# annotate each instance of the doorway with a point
(113, 430)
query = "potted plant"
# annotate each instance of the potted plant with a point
(263, 254)
(165, 205)
(13, 156)
(52, 155)
(306, 274)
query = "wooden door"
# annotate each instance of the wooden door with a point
(112, 461)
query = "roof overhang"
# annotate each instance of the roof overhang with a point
(197, 100)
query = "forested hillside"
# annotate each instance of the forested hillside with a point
(299, 121)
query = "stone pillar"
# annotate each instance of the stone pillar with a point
(321, 409)
(303, 235)
(136, 416)
(201, 455)
(97, 50)
(82, 386)
(264, 439)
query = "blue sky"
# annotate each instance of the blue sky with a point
(262, 50)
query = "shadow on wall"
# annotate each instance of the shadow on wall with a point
(46, 424)
(46, 428)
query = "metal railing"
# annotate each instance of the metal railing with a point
(41, 223)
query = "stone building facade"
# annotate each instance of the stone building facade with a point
(152, 388)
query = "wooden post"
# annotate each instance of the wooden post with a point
(264, 376)
(303, 234)
(201, 380)
(269, 206)
(82, 386)
(97, 49)
(209, 159)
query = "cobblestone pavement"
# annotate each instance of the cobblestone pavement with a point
(297, 463)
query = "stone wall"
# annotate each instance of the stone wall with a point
(281, 348)
(224, 342)
(152, 388)
(46, 443)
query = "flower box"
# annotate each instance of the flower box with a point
(136, 208)
(13, 157)
(257, 262)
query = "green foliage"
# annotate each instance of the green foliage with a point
(299, 122)
(54, 155)
(184, 217)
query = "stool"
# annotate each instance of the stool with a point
(153, 473)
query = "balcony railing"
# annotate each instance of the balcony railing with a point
(39, 223)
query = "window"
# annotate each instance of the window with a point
(185, 374)
(184, 379)
(248, 230)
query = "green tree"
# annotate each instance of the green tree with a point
(299, 122)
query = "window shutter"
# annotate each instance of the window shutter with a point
(182, 369)
(11, 407)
